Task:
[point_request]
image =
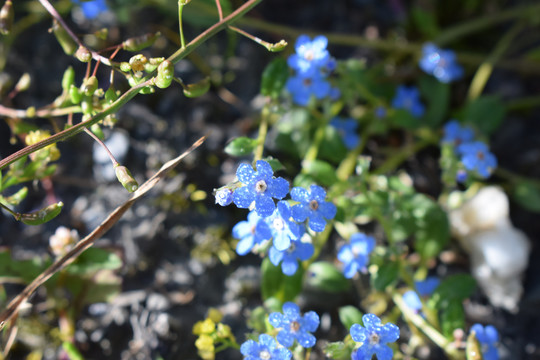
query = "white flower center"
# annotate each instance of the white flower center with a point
(261, 186)
(374, 338)
(295, 326)
(265, 355)
(278, 224)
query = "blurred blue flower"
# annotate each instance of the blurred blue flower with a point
(427, 287)
(260, 186)
(302, 87)
(310, 56)
(251, 232)
(295, 326)
(408, 98)
(313, 207)
(355, 255)
(92, 9)
(487, 336)
(456, 134)
(283, 229)
(380, 112)
(347, 128)
(224, 197)
(412, 300)
(440, 63)
(265, 349)
(476, 156)
(374, 336)
(298, 250)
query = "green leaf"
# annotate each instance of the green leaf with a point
(403, 119)
(385, 275)
(72, 351)
(437, 95)
(276, 284)
(323, 173)
(93, 260)
(425, 22)
(349, 315)
(274, 77)
(241, 146)
(452, 318)
(332, 147)
(433, 228)
(486, 113)
(16, 198)
(454, 288)
(325, 276)
(527, 194)
(338, 351)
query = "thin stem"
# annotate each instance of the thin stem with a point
(485, 69)
(263, 129)
(16, 215)
(45, 112)
(98, 140)
(220, 12)
(180, 10)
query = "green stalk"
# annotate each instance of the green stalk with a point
(182, 40)
(128, 95)
(263, 129)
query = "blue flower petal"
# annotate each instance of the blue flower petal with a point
(279, 188)
(316, 222)
(300, 194)
(264, 206)
(245, 173)
(243, 197)
(289, 266)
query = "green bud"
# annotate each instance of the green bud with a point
(68, 44)
(96, 129)
(24, 83)
(31, 112)
(86, 105)
(156, 61)
(125, 67)
(83, 54)
(137, 62)
(74, 94)
(184, 2)
(42, 216)
(277, 47)
(197, 89)
(165, 74)
(140, 42)
(68, 79)
(16, 198)
(126, 179)
(6, 18)
(111, 95)
(102, 34)
(89, 86)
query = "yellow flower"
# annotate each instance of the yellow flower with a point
(206, 326)
(205, 346)
(215, 315)
(51, 152)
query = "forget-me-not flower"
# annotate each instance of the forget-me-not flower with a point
(374, 336)
(302, 87)
(265, 349)
(312, 206)
(476, 156)
(347, 128)
(440, 63)
(92, 9)
(224, 197)
(412, 300)
(251, 232)
(487, 337)
(294, 326)
(408, 98)
(355, 254)
(298, 250)
(283, 229)
(310, 56)
(260, 186)
(456, 134)
(427, 287)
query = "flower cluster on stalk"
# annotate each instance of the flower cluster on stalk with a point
(283, 224)
(312, 64)
(474, 155)
(440, 63)
(408, 98)
(373, 337)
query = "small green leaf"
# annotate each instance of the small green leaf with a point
(338, 351)
(323, 173)
(386, 274)
(486, 113)
(241, 146)
(325, 276)
(437, 95)
(527, 194)
(454, 288)
(452, 318)
(72, 351)
(278, 285)
(93, 260)
(349, 315)
(433, 228)
(42, 216)
(274, 77)
(16, 198)
(403, 119)
(425, 21)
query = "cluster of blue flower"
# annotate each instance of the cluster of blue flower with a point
(475, 155)
(408, 98)
(373, 336)
(440, 63)
(281, 223)
(312, 64)
(423, 289)
(346, 128)
(93, 8)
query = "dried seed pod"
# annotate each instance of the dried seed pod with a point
(140, 42)
(6, 18)
(197, 89)
(165, 74)
(42, 216)
(68, 44)
(126, 179)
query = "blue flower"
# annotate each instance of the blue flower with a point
(347, 130)
(302, 87)
(487, 336)
(251, 232)
(92, 9)
(283, 229)
(427, 287)
(408, 98)
(412, 300)
(310, 56)
(295, 326)
(298, 250)
(380, 112)
(475, 156)
(260, 186)
(355, 255)
(456, 134)
(224, 197)
(440, 63)
(374, 336)
(265, 349)
(313, 207)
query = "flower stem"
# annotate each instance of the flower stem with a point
(182, 40)
(263, 129)
(98, 140)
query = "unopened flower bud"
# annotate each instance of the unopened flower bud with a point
(140, 42)
(126, 179)
(165, 74)
(68, 44)
(24, 83)
(6, 18)
(224, 197)
(197, 89)
(42, 216)
(96, 130)
(74, 94)
(63, 240)
(89, 86)
(125, 67)
(111, 95)
(87, 105)
(137, 62)
(68, 79)
(83, 54)
(279, 46)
